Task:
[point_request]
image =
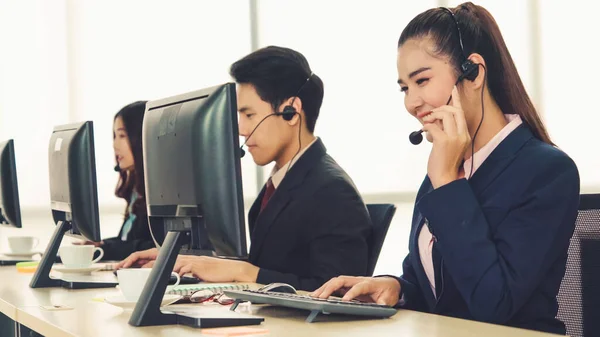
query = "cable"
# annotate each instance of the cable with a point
(299, 145)
(480, 122)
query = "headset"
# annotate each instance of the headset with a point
(469, 71)
(287, 114)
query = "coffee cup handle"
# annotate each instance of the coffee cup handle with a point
(99, 256)
(178, 278)
(37, 241)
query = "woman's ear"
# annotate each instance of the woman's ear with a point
(480, 62)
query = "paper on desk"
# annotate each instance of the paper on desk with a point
(55, 307)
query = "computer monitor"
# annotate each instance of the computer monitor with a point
(10, 210)
(73, 197)
(73, 189)
(192, 170)
(193, 190)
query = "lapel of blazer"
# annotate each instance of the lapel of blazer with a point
(501, 157)
(281, 198)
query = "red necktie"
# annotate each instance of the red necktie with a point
(268, 193)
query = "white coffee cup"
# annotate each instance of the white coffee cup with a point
(22, 244)
(79, 256)
(132, 281)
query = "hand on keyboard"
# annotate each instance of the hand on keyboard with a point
(330, 299)
(381, 290)
(316, 306)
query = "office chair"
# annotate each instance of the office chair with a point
(579, 294)
(381, 217)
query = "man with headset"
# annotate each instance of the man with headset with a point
(308, 223)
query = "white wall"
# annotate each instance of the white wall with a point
(363, 122)
(33, 87)
(570, 85)
(123, 51)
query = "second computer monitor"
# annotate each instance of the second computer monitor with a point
(73, 198)
(10, 210)
(73, 190)
(192, 169)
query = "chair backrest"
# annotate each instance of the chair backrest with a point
(381, 217)
(579, 294)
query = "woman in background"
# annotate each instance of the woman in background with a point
(127, 143)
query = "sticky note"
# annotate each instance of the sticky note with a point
(55, 307)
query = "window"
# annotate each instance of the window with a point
(363, 122)
(34, 92)
(570, 83)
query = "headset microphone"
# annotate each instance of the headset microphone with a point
(117, 168)
(416, 137)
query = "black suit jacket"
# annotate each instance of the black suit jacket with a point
(139, 238)
(502, 237)
(315, 226)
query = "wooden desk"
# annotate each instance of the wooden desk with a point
(15, 291)
(92, 318)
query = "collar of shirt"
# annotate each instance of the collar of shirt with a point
(480, 156)
(277, 175)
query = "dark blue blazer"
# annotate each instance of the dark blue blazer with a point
(502, 237)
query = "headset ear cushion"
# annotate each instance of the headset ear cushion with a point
(470, 70)
(288, 112)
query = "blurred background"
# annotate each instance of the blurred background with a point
(64, 61)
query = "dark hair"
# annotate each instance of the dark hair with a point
(480, 34)
(277, 74)
(133, 118)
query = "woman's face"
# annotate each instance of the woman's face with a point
(121, 146)
(426, 80)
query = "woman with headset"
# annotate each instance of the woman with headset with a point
(493, 218)
(127, 143)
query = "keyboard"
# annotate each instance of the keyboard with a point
(332, 305)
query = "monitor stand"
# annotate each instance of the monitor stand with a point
(147, 309)
(42, 279)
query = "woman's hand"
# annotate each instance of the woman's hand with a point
(449, 143)
(89, 243)
(381, 290)
(212, 269)
(139, 259)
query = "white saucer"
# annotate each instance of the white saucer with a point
(84, 271)
(120, 301)
(20, 254)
